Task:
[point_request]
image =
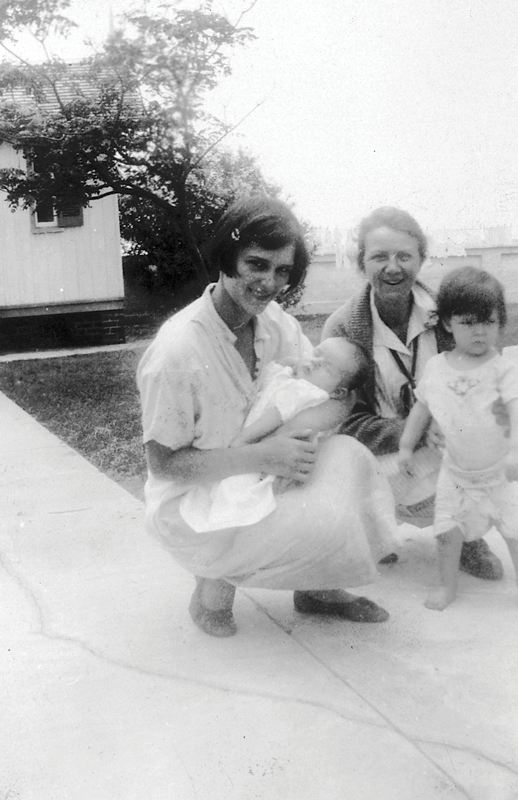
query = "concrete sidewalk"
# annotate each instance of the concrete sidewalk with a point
(110, 693)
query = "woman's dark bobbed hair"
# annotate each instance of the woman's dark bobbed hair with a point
(471, 292)
(397, 220)
(262, 221)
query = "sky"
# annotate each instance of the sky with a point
(362, 103)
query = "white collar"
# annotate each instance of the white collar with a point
(211, 319)
(423, 309)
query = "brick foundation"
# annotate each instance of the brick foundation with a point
(56, 331)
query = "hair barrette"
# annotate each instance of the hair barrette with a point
(235, 234)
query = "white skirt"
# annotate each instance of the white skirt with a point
(328, 533)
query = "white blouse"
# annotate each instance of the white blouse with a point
(389, 377)
(195, 387)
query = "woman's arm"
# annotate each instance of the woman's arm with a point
(511, 469)
(320, 418)
(379, 434)
(382, 435)
(415, 426)
(267, 423)
(290, 456)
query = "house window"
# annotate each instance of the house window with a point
(69, 216)
(44, 214)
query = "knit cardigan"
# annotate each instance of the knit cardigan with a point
(354, 321)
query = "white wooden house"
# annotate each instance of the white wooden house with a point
(61, 280)
(60, 277)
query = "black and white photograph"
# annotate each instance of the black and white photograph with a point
(258, 400)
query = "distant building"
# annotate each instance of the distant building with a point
(492, 249)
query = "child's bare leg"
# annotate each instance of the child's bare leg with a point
(448, 552)
(512, 546)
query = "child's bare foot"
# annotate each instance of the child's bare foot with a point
(439, 598)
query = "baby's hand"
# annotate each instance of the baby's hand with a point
(281, 484)
(288, 361)
(405, 461)
(511, 465)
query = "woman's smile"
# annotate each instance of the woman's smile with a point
(262, 295)
(260, 275)
(392, 261)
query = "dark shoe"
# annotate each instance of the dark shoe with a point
(477, 559)
(359, 609)
(390, 559)
(219, 623)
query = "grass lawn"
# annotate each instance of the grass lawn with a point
(91, 401)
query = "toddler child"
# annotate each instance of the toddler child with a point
(335, 367)
(476, 488)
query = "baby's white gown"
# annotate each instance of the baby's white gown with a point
(246, 499)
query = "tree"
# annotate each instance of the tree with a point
(151, 231)
(128, 120)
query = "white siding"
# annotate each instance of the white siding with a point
(50, 266)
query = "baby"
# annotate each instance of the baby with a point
(476, 488)
(336, 366)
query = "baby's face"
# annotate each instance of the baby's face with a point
(329, 364)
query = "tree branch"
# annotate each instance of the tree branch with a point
(244, 13)
(36, 73)
(101, 196)
(226, 133)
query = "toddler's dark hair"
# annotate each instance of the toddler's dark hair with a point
(471, 292)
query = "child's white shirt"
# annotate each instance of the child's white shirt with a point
(461, 403)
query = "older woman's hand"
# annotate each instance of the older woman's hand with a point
(501, 415)
(434, 437)
(291, 456)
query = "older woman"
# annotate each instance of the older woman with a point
(197, 381)
(393, 318)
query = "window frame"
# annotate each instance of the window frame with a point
(61, 220)
(45, 224)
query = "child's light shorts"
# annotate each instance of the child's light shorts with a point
(475, 501)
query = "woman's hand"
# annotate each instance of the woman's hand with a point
(290, 456)
(511, 464)
(501, 415)
(434, 437)
(405, 461)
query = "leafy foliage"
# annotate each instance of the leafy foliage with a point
(41, 17)
(154, 232)
(128, 120)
